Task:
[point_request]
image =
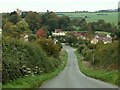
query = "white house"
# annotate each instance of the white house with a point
(58, 32)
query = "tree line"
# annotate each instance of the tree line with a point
(30, 22)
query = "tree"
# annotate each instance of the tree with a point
(14, 18)
(33, 20)
(41, 33)
(14, 32)
(23, 15)
(7, 25)
(49, 47)
(6, 28)
(63, 22)
(23, 27)
(52, 25)
(71, 39)
(3, 22)
(49, 19)
(32, 37)
(44, 19)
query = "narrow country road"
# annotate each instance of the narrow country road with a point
(71, 76)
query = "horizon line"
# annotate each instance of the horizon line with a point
(60, 11)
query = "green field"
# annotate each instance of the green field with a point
(110, 17)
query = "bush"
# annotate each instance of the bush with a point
(32, 37)
(71, 39)
(91, 46)
(49, 47)
(61, 39)
(83, 52)
(107, 55)
(88, 56)
(80, 48)
(23, 59)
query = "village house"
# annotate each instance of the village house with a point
(58, 32)
(104, 38)
(81, 35)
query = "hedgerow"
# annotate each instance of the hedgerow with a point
(22, 59)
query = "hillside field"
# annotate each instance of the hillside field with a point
(110, 17)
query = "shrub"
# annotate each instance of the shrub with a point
(32, 37)
(71, 39)
(23, 59)
(49, 47)
(61, 39)
(88, 56)
(107, 55)
(91, 46)
(80, 48)
(83, 52)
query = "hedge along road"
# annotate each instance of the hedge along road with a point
(72, 77)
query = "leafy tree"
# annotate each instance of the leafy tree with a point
(14, 32)
(44, 19)
(33, 20)
(80, 48)
(63, 22)
(71, 39)
(52, 25)
(41, 33)
(6, 28)
(101, 25)
(3, 22)
(23, 27)
(109, 55)
(7, 25)
(23, 15)
(91, 46)
(14, 18)
(49, 19)
(49, 47)
(32, 37)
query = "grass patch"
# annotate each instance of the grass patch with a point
(111, 17)
(104, 75)
(37, 80)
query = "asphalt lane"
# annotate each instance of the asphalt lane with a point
(72, 77)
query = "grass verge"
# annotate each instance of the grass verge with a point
(104, 75)
(37, 80)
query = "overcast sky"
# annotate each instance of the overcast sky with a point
(57, 5)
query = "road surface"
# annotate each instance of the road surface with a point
(71, 76)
